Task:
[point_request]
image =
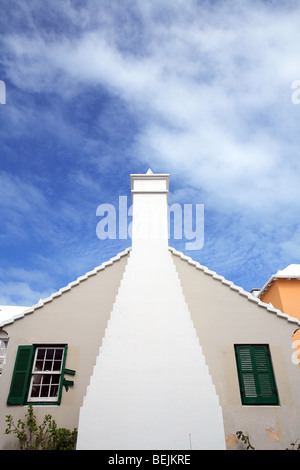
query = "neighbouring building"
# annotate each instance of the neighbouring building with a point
(152, 350)
(282, 291)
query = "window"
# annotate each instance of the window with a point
(46, 374)
(256, 376)
(38, 375)
(3, 348)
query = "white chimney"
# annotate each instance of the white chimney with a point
(151, 387)
(150, 210)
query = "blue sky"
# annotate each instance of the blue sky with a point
(97, 90)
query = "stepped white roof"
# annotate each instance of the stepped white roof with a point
(248, 295)
(10, 314)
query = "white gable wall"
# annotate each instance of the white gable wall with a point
(150, 388)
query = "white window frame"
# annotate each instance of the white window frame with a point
(3, 349)
(45, 373)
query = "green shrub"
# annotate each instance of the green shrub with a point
(46, 436)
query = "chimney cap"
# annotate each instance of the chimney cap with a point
(150, 176)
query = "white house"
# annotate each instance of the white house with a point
(152, 350)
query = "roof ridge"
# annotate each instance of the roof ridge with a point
(69, 286)
(234, 287)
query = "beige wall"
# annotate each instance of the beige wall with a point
(223, 318)
(78, 318)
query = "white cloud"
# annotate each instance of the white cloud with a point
(210, 87)
(20, 293)
(20, 195)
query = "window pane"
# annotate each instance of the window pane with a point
(44, 391)
(59, 354)
(35, 391)
(54, 391)
(38, 366)
(40, 353)
(48, 365)
(3, 347)
(49, 353)
(55, 379)
(37, 379)
(57, 365)
(46, 379)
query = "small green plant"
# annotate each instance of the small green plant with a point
(46, 436)
(245, 439)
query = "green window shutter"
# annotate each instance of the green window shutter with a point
(62, 374)
(256, 376)
(21, 376)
